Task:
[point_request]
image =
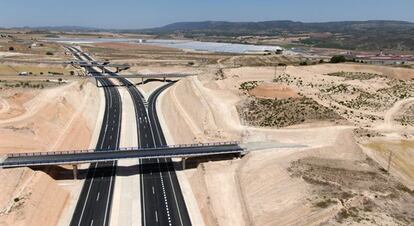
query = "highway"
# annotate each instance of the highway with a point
(94, 204)
(162, 202)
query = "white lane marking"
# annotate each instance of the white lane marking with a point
(87, 195)
(110, 99)
(164, 194)
(91, 223)
(169, 174)
(97, 197)
(143, 192)
(175, 197)
(106, 129)
(109, 191)
(153, 190)
(156, 215)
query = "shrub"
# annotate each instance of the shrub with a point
(338, 59)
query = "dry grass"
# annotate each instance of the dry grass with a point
(283, 113)
(402, 154)
(361, 188)
(36, 70)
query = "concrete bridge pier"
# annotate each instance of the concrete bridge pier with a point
(117, 69)
(183, 162)
(142, 80)
(75, 171)
(165, 79)
(103, 69)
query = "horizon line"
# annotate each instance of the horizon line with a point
(198, 21)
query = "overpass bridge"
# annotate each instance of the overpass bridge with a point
(148, 77)
(74, 158)
(100, 65)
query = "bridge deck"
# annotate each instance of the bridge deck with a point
(166, 75)
(89, 156)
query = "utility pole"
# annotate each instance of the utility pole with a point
(389, 162)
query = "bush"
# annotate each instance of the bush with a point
(11, 48)
(338, 59)
(303, 63)
(72, 73)
(49, 53)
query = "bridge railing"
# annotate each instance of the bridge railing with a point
(211, 144)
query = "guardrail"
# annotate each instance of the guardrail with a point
(11, 155)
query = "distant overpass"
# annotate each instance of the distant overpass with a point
(91, 156)
(155, 76)
(100, 65)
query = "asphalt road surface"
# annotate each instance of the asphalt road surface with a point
(94, 204)
(162, 202)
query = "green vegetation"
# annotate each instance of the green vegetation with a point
(338, 59)
(248, 85)
(325, 203)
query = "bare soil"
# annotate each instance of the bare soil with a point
(273, 91)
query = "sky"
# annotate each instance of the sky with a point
(124, 14)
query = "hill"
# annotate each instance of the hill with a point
(363, 35)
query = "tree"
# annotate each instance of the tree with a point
(72, 73)
(338, 59)
(11, 48)
(49, 53)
